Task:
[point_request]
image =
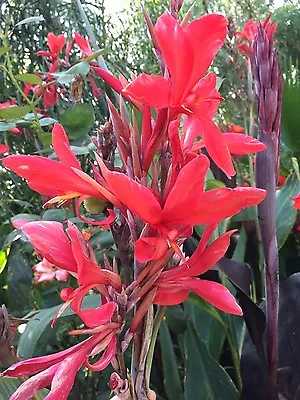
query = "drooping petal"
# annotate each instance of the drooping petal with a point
(242, 144)
(218, 204)
(37, 364)
(152, 90)
(106, 357)
(62, 148)
(214, 293)
(206, 35)
(39, 381)
(150, 248)
(177, 52)
(139, 199)
(83, 44)
(49, 240)
(48, 177)
(215, 144)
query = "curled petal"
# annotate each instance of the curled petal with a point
(106, 357)
(107, 221)
(150, 248)
(62, 148)
(242, 144)
(169, 296)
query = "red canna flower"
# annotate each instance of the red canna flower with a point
(185, 90)
(186, 205)
(296, 201)
(174, 285)
(59, 370)
(55, 44)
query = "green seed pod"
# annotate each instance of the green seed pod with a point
(94, 205)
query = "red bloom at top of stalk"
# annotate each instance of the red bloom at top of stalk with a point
(55, 44)
(188, 52)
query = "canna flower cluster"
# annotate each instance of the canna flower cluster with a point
(50, 89)
(151, 203)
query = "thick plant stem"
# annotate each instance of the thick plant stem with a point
(265, 164)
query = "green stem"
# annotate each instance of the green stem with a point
(156, 324)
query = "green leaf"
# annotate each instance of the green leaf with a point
(290, 115)
(65, 77)
(29, 78)
(286, 214)
(31, 20)
(206, 307)
(176, 319)
(214, 184)
(3, 50)
(95, 55)
(9, 385)
(172, 381)
(47, 121)
(55, 215)
(41, 322)
(14, 112)
(205, 378)
(19, 280)
(240, 248)
(3, 260)
(78, 120)
(6, 126)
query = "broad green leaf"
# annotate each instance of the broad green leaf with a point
(28, 217)
(176, 319)
(95, 55)
(41, 322)
(31, 20)
(205, 378)
(9, 385)
(19, 281)
(290, 115)
(212, 330)
(206, 307)
(286, 214)
(29, 78)
(78, 120)
(55, 215)
(3, 50)
(14, 112)
(172, 381)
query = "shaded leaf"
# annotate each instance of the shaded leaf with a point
(3, 50)
(78, 120)
(9, 385)
(205, 378)
(172, 381)
(14, 112)
(95, 55)
(31, 20)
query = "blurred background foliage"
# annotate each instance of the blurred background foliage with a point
(195, 339)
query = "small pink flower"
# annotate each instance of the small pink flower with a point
(46, 272)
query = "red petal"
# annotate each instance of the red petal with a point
(215, 145)
(139, 199)
(242, 144)
(296, 201)
(62, 148)
(49, 240)
(170, 296)
(218, 204)
(150, 89)
(37, 364)
(106, 358)
(83, 44)
(150, 248)
(55, 43)
(4, 148)
(177, 52)
(28, 389)
(214, 293)
(207, 35)
(188, 188)
(48, 177)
